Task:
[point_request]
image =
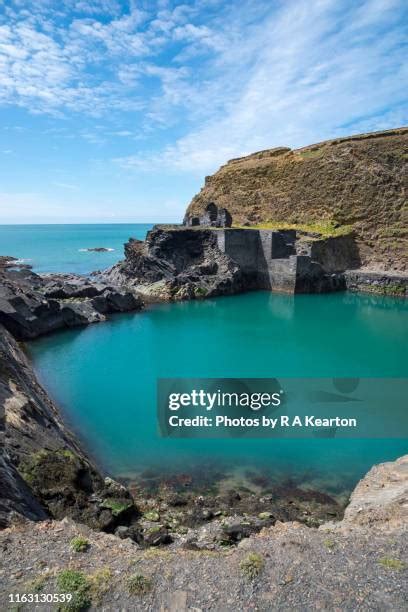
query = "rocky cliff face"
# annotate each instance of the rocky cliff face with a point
(43, 470)
(359, 181)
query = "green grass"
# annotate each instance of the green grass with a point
(116, 506)
(326, 229)
(79, 544)
(139, 585)
(311, 153)
(76, 583)
(392, 564)
(252, 565)
(329, 543)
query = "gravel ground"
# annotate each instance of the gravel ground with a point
(296, 567)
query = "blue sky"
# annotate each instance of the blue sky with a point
(114, 111)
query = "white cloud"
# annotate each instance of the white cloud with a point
(316, 72)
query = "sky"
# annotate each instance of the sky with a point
(115, 111)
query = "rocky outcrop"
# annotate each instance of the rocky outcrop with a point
(380, 500)
(32, 305)
(359, 181)
(43, 470)
(177, 263)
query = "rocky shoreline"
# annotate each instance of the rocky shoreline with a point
(32, 305)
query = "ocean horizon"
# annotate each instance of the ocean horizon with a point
(62, 247)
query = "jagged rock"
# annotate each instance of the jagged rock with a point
(175, 264)
(17, 499)
(76, 313)
(32, 305)
(110, 301)
(156, 535)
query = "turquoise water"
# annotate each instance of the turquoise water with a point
(60, 248)
(104, 377)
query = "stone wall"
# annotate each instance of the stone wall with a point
(336, 253)
(272, 260)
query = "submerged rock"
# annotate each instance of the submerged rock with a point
(98, 249)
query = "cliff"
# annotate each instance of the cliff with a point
(359, 181)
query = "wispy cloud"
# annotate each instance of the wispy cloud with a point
(69, 186)
(318, 69)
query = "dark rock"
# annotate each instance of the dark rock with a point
(99, 249)
(133, 532)
(234, 533)
(176, 264)
(32, 305)
(17, 499)
(76, 313)
(156, 535)
(212, 217)
(68, 486)
(377, 282)
(112, 300)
